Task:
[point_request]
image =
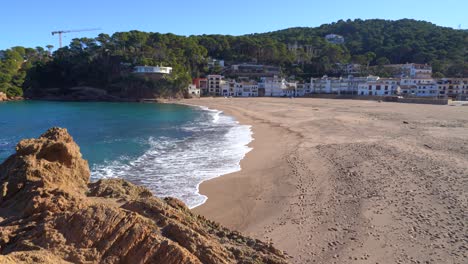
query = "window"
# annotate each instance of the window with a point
(370, 87)
(378, 88)
(386, 88)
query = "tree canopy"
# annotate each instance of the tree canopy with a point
(106, 61)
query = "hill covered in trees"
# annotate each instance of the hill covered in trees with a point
(106, 61)
(379, 41)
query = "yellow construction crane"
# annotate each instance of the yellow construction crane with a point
(60, 32)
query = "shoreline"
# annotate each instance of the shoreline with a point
(346, 181)
(249, 146)
(242, 191)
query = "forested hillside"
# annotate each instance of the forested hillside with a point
(384, 41)
(106, 62)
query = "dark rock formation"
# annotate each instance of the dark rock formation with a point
(50, 213)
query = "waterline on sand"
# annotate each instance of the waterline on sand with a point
(176, 167)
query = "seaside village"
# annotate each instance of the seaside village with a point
(410, 80)
(252, 80)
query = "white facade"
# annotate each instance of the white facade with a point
(419, 71)
(193, 90)
(228, 88)
(277, 87)
(273, 86)
(456, 88)
(427, 90)
(214, 84)
(326, 85)
(153, 69)
(246, 89)
(303, 89)
(379, 87)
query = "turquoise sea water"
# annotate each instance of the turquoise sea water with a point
(168, 148)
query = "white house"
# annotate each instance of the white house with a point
(193, 90)
(302, 89)
(327, 85)
(379, 87)
(418, 71)
(246, 89)
(228, 88)
(273, 86)
(427, 90)
(153, 69)
(354, 82)
(456, 88)
(290, 89)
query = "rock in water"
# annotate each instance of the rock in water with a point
(50, 213)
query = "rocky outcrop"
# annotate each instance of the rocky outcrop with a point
(50, 213)
(3, 97)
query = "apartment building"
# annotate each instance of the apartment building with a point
(455, 88)
(425, 87)
(379, 87)
(246, 89)
(214, 84)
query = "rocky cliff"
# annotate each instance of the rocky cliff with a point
(50, 213)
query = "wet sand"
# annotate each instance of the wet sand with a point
(343, 181)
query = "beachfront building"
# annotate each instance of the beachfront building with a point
(455, 88)
(214, 84)
(153, 69)
(427, 90)
(379, 87)
(290, 89)
(228, 88)
(408, 90)
(193, 90)
(273, 86)
(327, 85)
(277, 87)
(246, 89)
(354, 82)
(302, 89)
(425, 87)
(202, 84)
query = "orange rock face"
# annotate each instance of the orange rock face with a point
(50, 213)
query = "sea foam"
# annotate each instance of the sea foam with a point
(177, 167)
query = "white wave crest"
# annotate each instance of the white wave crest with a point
(177, 167)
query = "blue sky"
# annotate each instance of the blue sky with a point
(29, 22)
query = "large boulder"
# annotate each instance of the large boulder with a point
(50, 213)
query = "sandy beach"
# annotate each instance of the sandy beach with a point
(344, 181)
